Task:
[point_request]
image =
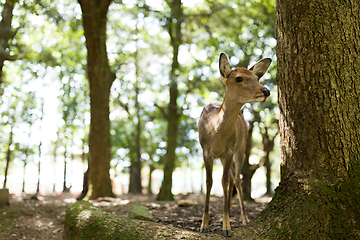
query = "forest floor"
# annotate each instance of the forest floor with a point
(26, 218)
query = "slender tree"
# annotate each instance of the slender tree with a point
(248, 170)
(40, 144)
(173, 111)
(94, 15)
(27, 114)
(268, 146)
(8, 155)
(318, 81)
(136, 165)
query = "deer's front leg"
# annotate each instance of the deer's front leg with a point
(205, 219)
(226, 207)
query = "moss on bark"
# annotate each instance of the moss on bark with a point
(303, 209)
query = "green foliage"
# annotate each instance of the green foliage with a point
(51, 47)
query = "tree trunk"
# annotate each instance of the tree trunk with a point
(149, 186)
(247, 170)
(94, 15)
(40, 144)
(39, 170)
(86, 175)
(318, 82)
(6, 34)
(56, 143)
(135, 176)
(85, 186)
(135, 168)
(24, 171)
(174, 29)
(8, 156)
(65, 189)
(269, 190)
(268, 147)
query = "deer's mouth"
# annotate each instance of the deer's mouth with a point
(261, 98)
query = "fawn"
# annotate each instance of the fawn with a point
(223, 132)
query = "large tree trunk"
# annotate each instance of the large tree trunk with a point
(100, 79)
(6, 34)
(174, 29)
(318, 84)
(318, 81)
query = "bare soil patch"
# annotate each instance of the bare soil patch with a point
(27, 218)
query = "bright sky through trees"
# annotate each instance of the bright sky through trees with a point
(59, 43)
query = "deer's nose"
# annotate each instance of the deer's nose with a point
(266, 92)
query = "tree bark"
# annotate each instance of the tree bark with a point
(173, 114)
(100, 77)
(318, 85)
(319, 107)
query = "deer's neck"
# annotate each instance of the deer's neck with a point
(224, 125)
(228, 114)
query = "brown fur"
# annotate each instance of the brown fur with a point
(223, 132)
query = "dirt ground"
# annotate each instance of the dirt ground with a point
(27, 218)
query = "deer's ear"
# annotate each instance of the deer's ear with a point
(224, 67)
(260, 68)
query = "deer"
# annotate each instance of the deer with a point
(223, 133)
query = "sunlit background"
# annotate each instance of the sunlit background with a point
(45, 104)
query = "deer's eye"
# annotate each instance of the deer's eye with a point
(239, 79)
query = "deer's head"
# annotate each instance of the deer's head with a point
(242, 84)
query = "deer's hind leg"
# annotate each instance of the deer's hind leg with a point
(239, 158)
(231, 188)
(226, 183)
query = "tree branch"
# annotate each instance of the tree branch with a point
(162, 110)
(125, 106)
